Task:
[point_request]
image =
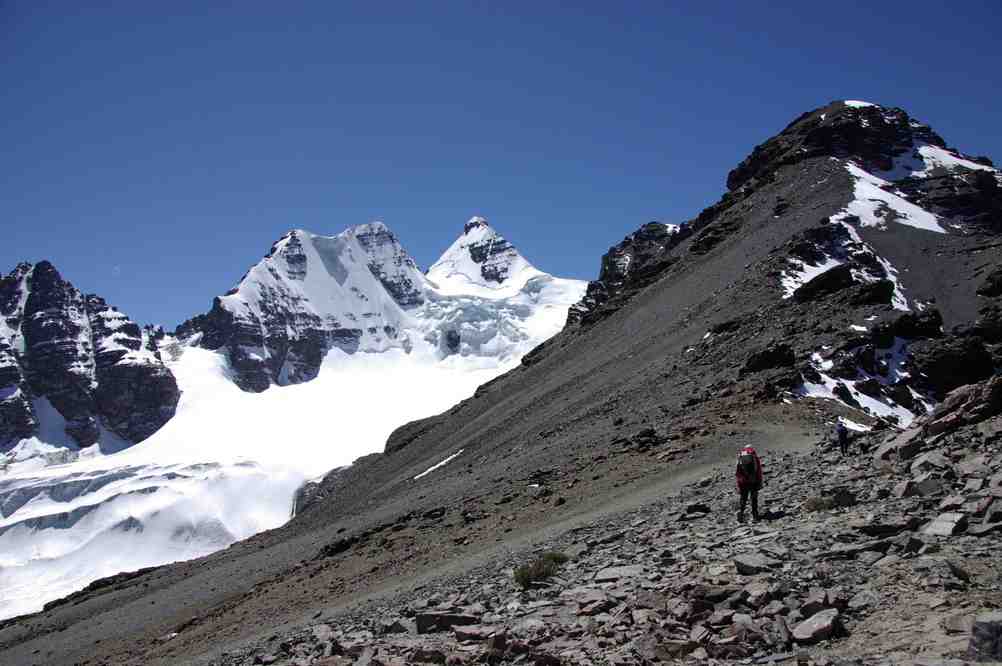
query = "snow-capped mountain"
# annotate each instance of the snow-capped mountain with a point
(326, 346)
(360, 291)
(74, 371)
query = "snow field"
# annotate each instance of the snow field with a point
(229, 463)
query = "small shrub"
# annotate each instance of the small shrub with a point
(819, 504)
(543, 567)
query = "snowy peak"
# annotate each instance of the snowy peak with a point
(312, 293)
(360, 291)
(371, 245)
(481, 262)
(475, 222)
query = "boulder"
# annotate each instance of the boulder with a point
(428, 623)
(985, 529)
(992, 285)
(946, 524)
(817, 601)
(931, 460)
(915, 325)
(927, 485)
(831, 281)
(775, 356)
(820, 626)
(751, 564)
(986, 637)
(476, 633)
(615, 573)
(948, 363)
(904, 446)
(988, 325)
(865, 598)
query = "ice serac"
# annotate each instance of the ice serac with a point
(74, 368)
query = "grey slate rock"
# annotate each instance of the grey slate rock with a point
(986, 638)
(818, 627)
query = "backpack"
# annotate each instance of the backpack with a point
(746, 463)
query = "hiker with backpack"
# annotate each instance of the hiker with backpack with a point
(750, 481)
(842, 437)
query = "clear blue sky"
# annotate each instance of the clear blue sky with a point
(154, 151)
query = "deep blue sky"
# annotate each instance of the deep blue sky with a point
(154, 154)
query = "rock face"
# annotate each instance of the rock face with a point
(626, 268)
(69, 357)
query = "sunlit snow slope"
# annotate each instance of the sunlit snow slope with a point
(229, 463)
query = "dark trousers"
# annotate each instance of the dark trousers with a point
(745, 492)
(843, 445)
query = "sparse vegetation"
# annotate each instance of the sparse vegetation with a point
(819, 504)
(543, 567)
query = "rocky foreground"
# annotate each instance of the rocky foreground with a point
(887, 556)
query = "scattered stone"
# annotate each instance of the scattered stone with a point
(427, 623)
(475, 633)
(986, 637)
(751, 564)
(615, 573)
(946, 524)
(865, 598)
(817, 628)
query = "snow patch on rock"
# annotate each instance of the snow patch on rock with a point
(875, 206)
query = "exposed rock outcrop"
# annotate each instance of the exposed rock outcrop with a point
(626, 268)
(74, 357)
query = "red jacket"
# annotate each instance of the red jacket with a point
(746, 482)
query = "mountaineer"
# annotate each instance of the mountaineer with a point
(750, 480)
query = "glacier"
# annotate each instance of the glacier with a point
(229, 463)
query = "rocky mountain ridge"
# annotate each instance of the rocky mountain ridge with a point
(73, 354)
(909, 155)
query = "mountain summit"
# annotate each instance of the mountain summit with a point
(482, 263)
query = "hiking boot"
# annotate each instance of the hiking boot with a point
(741, 517)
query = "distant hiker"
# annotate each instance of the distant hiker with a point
(842, 436)
(750, 480)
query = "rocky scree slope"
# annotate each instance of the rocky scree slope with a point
(73, 354)
(743, 317)
(887, 556)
